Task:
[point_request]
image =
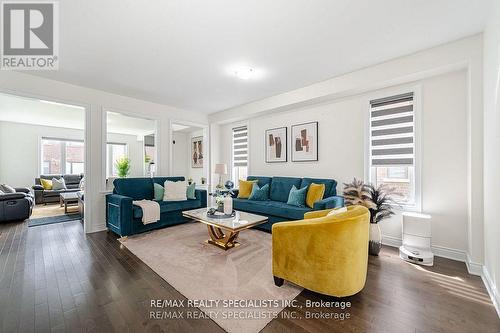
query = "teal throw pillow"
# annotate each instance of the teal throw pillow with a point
(259, 193)
(297, 197)
(190, 191)
(159, 191)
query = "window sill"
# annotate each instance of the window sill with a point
(401, 208)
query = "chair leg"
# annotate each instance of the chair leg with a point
(278, 281)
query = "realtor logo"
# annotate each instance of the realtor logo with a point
(29, 35)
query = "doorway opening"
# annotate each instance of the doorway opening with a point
(42, 160)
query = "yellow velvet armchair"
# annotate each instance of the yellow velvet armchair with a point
(325, 254)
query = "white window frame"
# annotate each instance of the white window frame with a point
(63, 153)
(417, 110)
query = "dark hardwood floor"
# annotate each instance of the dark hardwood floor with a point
(56, 278)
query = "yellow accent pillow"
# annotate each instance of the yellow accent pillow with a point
(47, 184)
(245, 188)
(314, 193)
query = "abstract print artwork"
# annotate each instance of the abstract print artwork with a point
(276, 145)
(305, 142)
(197, 152)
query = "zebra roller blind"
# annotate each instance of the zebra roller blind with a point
(392, 127)
(240, 146)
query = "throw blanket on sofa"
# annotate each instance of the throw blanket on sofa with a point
(150, 210)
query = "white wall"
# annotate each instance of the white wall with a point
(95, 102)
(20, 150)
(342, 138)
(181, 156)
(492, 152)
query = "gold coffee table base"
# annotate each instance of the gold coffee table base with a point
(220, 239)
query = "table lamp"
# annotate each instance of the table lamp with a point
(220, 169)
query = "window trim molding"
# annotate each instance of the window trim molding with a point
(417, 111)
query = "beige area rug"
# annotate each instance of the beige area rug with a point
(52, 209)
(201, 271)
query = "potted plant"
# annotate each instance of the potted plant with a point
(123, 167)
(378, 201)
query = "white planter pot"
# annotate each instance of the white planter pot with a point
(375, 243)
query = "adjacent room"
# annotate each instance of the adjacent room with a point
(43, 157)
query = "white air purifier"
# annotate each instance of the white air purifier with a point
(416, 246)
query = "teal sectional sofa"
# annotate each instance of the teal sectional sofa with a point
(124, 218)
(276, 208)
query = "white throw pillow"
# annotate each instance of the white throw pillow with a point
(175, 191)
(337, 211)
(58, 184)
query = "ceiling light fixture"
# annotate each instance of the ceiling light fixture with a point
(244, 73)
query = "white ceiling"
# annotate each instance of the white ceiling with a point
(180, 52)
(35, 112)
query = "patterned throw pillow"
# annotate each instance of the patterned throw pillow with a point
(245, 188)
(314, 193)
(259, 193)
(297, 197)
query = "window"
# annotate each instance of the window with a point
(60, 156)
(392, 146)
(240, 154)
(114, 152)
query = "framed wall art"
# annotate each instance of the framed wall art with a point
(305, 142)
(197, 152)
(276, 145)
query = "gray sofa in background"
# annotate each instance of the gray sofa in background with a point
(43, 196)
(16, 206)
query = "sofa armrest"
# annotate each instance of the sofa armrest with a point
(119, 200)
(37, 187)
(328, 203)
(119, 214)
(12, 196)
(202, 196)
(22, 190)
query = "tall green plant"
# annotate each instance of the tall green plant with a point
(123, 167)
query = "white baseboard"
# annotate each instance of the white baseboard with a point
(439, 251)
(492, 289)
(474, 268)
